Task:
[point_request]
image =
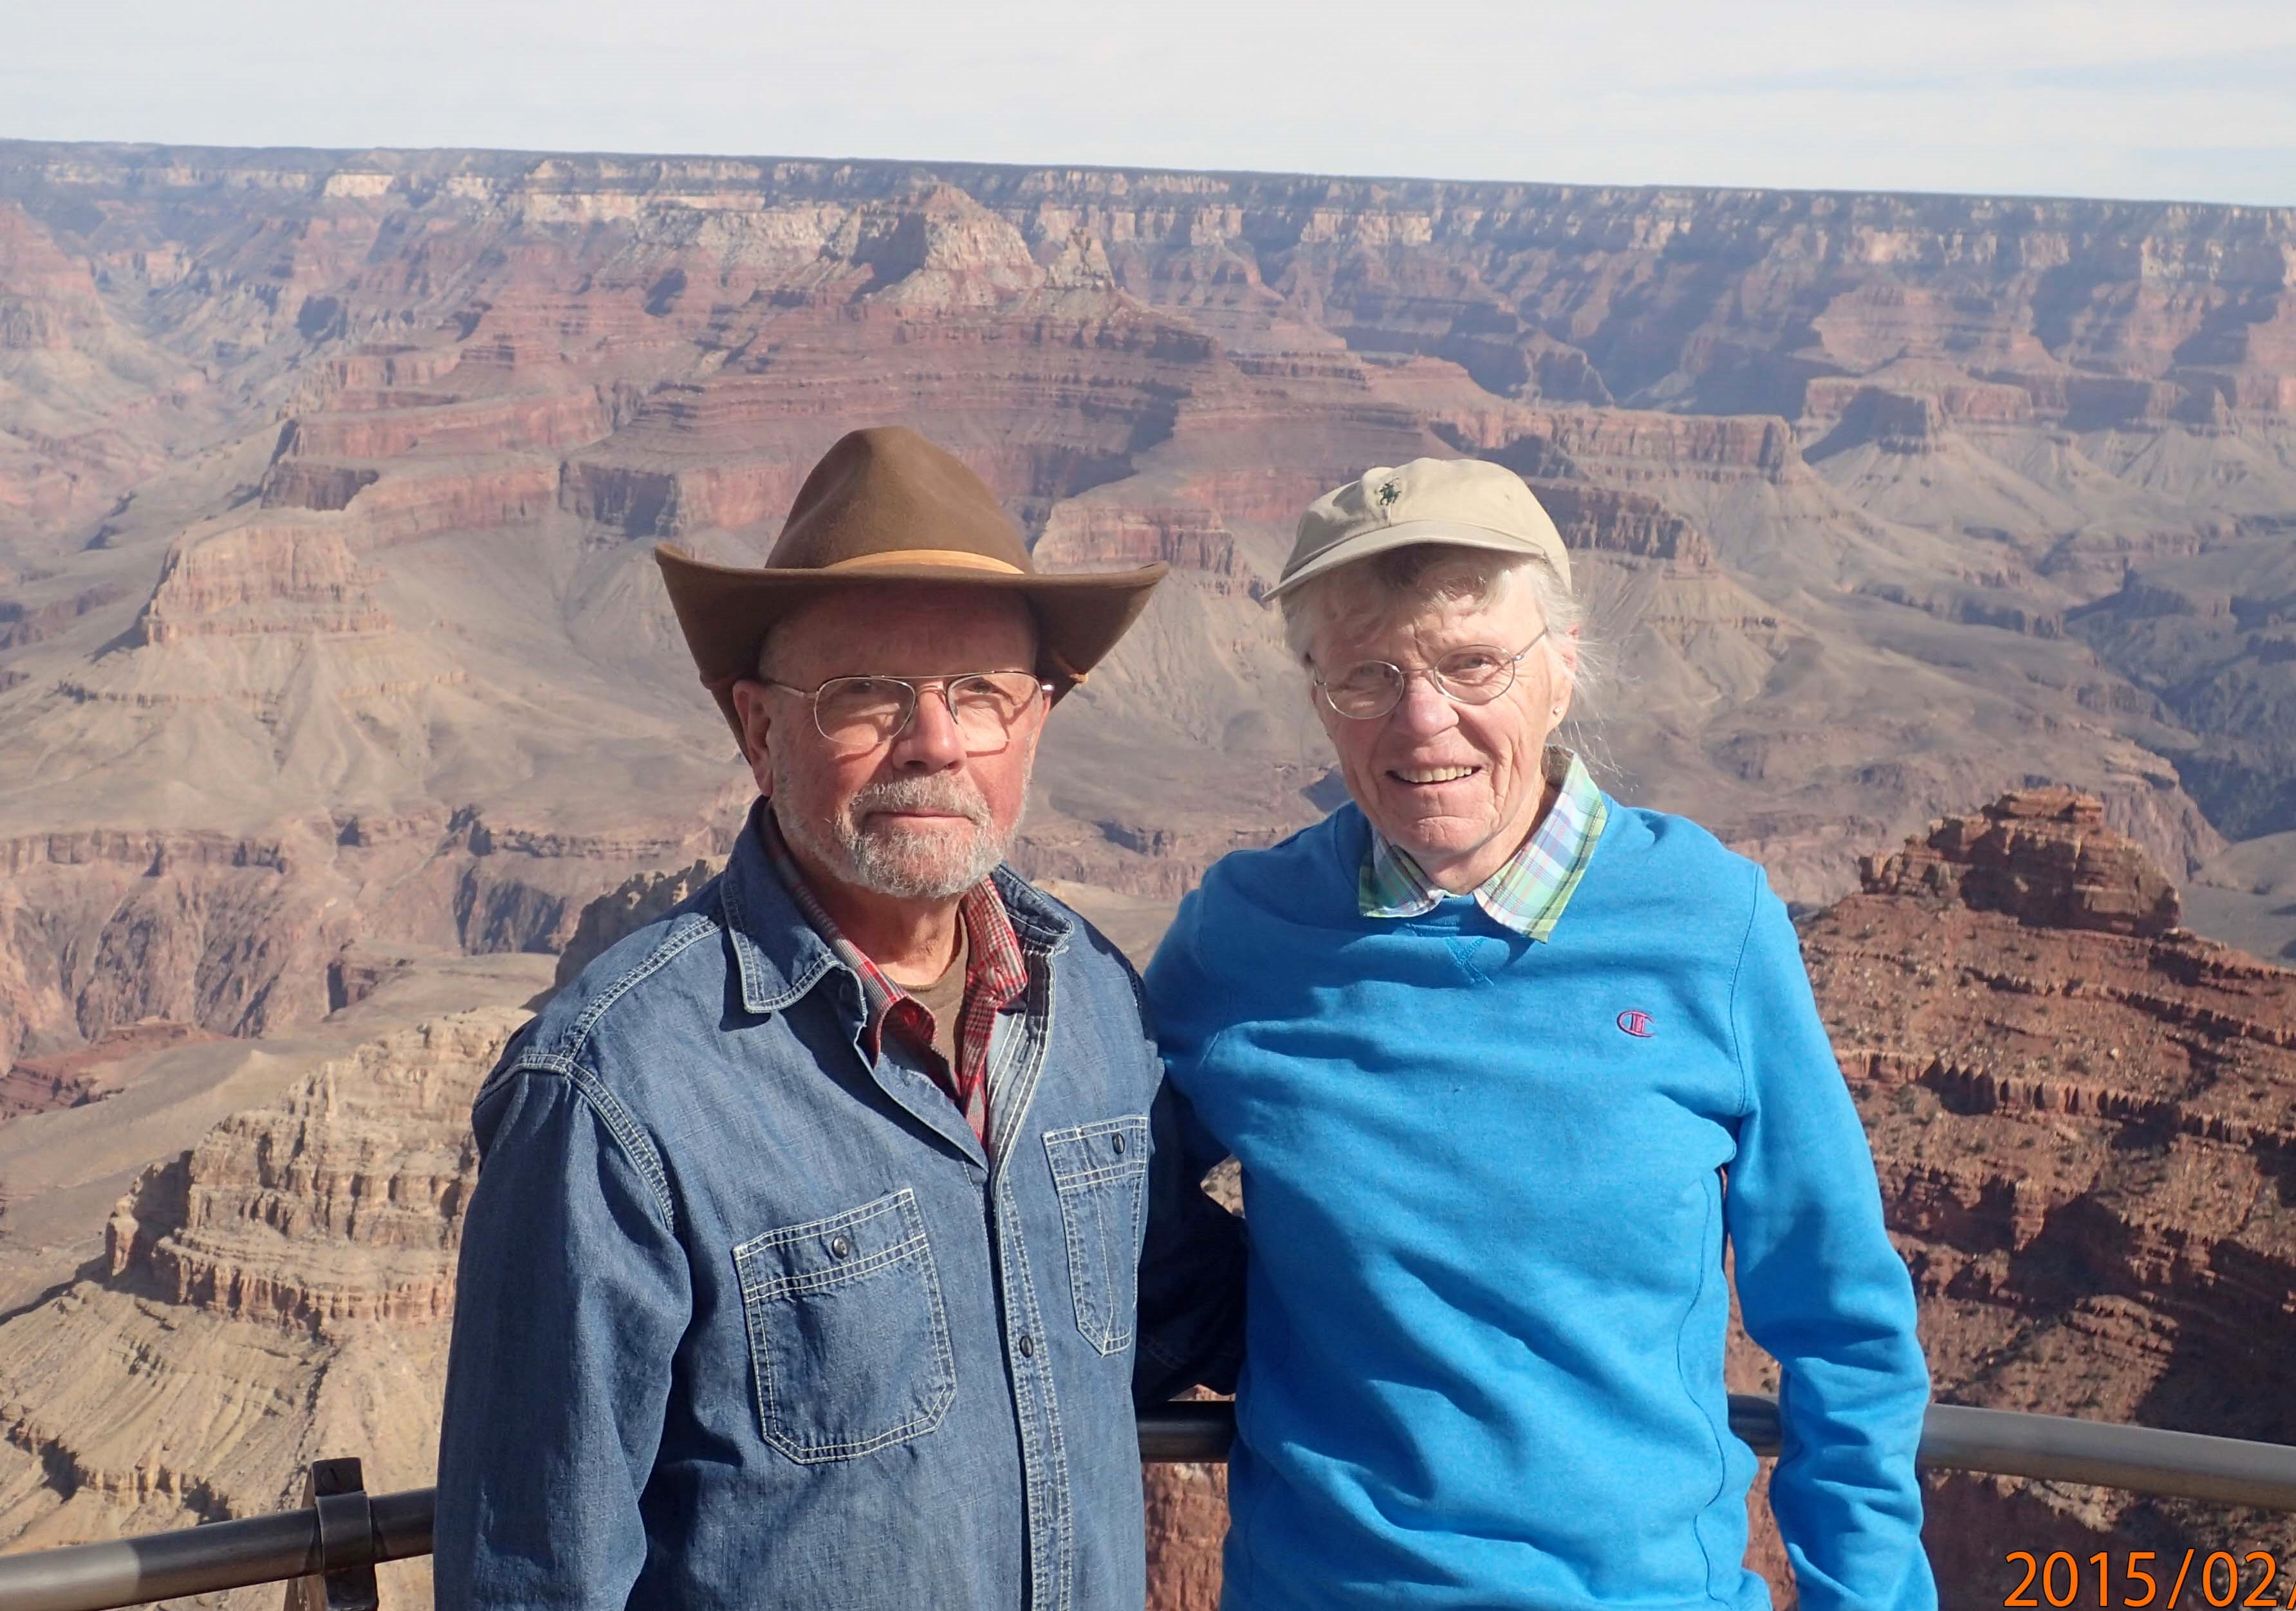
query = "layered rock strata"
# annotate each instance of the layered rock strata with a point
(70, 1079)
(274, 1296)
(2085, 1121)
(101, 931)
(482, 383)
(2044, 856)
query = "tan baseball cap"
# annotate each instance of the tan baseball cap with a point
(1471, 502)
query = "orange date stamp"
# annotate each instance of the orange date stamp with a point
(2140, 1578)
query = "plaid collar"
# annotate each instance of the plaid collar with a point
(996, 975)
(1529, 893)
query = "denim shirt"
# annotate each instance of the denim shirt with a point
(749, 1318)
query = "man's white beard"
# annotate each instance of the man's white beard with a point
(908, 865)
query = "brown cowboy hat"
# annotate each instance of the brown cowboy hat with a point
(886, 506)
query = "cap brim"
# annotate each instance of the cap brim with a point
(1412, 533)
(726, 610)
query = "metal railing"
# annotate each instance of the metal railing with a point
(331, 1546)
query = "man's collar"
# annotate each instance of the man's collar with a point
(1529, 893)
(777, 952)
(1042, 926)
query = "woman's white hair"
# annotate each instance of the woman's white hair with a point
(1404, 582)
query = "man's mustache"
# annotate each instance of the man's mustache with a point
(936, 793)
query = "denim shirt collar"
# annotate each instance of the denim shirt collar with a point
(780, 956)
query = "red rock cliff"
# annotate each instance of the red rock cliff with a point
(2085, 1123)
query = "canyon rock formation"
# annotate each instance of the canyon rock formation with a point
(2043, 857)
(280, 1293)
(2085, 1121)
(328, 481)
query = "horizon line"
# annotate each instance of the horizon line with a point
(337, 154)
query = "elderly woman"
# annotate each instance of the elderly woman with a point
(1508, 1066)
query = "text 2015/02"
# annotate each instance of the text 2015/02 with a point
(2223, 1577)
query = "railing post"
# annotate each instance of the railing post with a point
(337, 1489)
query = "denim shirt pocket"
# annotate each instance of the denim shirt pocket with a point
(849, 1343)
(1100, 1173)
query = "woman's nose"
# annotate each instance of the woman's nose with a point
(1424, 708)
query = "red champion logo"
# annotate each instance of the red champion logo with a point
(1636, 1023)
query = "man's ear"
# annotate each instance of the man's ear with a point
(753, 704)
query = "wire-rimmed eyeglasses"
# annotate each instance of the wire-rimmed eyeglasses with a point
(1473, 674)
(857, 714)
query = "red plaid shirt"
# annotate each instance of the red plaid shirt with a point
(995, 976)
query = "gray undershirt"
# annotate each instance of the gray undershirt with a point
(944, 998)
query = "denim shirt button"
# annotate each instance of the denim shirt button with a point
(1028, 1346)
(840, 1247)
(1117, 1141)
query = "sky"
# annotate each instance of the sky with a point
(2177, 99)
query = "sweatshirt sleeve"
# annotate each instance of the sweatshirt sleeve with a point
(1824, 1291)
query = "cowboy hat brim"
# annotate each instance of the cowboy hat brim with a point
(725, 610)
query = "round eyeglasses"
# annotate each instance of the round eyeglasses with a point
(857, 713)
(1475, 675)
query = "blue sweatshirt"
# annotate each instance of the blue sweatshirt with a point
(1488, 1181)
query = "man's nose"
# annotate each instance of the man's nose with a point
(1425, 708)
(932, 741)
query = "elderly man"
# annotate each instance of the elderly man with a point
(1507, 1065)
(802, 1265)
